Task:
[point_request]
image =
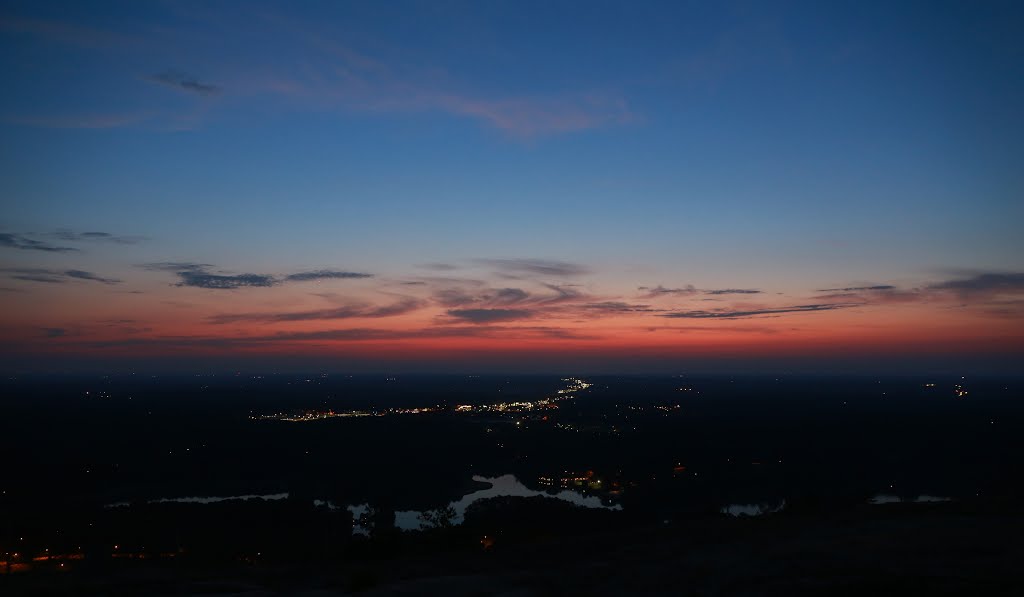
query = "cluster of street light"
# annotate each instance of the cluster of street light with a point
(574, 385)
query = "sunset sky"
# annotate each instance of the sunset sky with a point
(512, 186)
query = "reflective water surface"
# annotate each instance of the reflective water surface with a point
(503, 486)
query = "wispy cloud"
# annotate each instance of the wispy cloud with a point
(198, 275)
(477, 296)
(56, 276)
(84, 275)
(325, 274)
(95, 236)
(183, 82)
(18, 241)
(875, 295)
(532, 117)
(732, 291)
(454, 297)
(619, 307)
(998, 294)
(858, 288)
(439, 267)
(321, 72)
(491, 297)
(537, 267)
(690, 289)
(490, 315)
(564, 293)
(482, 331)
(984, 284)
(174, 266)
(993, 293)
(523, 117)
(1008, 309)
(742, 313)
(555, 301)
(27, 242)
(344, 312)
(343, 77)
(29, 274)
(203, 279)
(344, 335)
(659, 290)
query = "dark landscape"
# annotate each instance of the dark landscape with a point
(841, 484)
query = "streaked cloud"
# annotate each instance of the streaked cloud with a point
(39, 242)
(876, 295)
(174, 266)
(95, 236)
(439, 267)
(532, 117)
(84, 275)
(858, 288)
(339, 76)
(732, 291)
(490, 315)
(741, 313)
(690, 289)
(325, 274)
(1007, 309)
(344, 312)
(18, 241)
(537, 267)
(183, 82)
(659, 290)
(204, 279)
(51, 276)
(487, 297)
(976, 289)
(619, 307)
(345, 335)
(199, 275)
(984, 283)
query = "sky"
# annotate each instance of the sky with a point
(512, 186)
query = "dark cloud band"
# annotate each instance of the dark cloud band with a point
(490, 315)
(198, 275)
(736, 314)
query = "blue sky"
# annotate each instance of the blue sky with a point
(784, 145)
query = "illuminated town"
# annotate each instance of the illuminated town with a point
(574, 386)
